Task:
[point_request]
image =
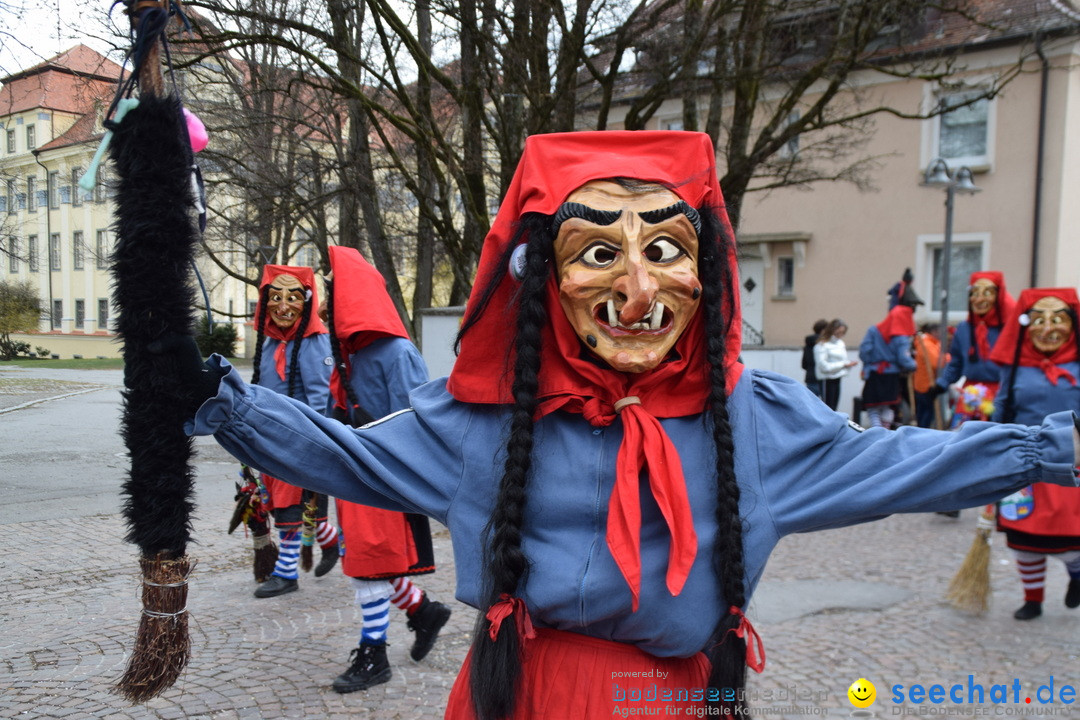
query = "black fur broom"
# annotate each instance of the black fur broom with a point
(156, 238)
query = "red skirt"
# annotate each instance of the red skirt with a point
(567, 675)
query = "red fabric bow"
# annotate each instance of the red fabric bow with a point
(754, 646)
(982, 339)
(504, 608)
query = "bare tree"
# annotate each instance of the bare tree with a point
(437, 101)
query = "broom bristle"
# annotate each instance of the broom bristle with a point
(307, 561)
(162, 644)
(969, 590)
(266, 554)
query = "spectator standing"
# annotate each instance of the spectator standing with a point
(927, 349)
(831, 361)
(808, 357)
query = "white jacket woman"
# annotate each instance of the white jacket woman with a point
(831, 361)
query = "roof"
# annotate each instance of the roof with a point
(84, 130)
(69, 82)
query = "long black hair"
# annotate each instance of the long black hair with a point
(294, 379)
(496, 665)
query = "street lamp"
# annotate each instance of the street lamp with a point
(938, 175)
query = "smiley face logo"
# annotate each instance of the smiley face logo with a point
(862, 693)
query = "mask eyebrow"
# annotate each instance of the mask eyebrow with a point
(576, 210)
(680, 208)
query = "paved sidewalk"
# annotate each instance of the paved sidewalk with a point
(833, 607)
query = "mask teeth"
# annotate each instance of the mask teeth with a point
(612, 316)
(657, 316)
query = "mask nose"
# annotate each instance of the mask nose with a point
(637, 291)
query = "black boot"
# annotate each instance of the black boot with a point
(1029, 611)
(275, 586)
(1072, 595)
(328, 560)
(368, 667)
(426, 622)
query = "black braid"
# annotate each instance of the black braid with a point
(260, 332)
(354, 414)
(475, 310)
(496, 665)
(1008, 410)
(728, 651)
(294, 367)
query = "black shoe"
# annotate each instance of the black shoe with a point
(1072, 595)
(426, 622)
(275, 586)
(368, 667)
(328, 560)
(951, 513)
(1029, 611)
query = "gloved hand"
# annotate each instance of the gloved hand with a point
(936, 390)
(199, 380)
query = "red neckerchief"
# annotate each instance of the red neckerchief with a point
(306, 276)
(551, 167)
(1005, 349)
(676, 388)
(899, 321)
(363, 311)
(995, 316)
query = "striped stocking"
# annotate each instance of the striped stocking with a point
(373, 597)
(1032, 567)
(406, 596)
(288, 555)
(326, 535)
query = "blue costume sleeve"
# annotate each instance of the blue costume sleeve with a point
(407, 462)
(818, 471)
(957, 355)
(901, 347)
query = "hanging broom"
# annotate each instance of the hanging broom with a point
(156, 239)
(307, 535)
(251, 511)
(969, 590)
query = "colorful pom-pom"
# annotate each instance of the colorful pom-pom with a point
(196, 131)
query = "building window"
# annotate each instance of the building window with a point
(31, 194)
(80, 314)
(54, 190)
(54, 251)
(103, 313)
(963, 130)
(13, 254)
(101, 250)
(673, 124)
(99, 188)
(57, 313)
(31, 137)
(965, 259)
(32, 253)
(785, 277)
(78, 250)
(12, 198)
(76, 191)
(11, 142)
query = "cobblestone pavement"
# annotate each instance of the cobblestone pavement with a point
(70, 610)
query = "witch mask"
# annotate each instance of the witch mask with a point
(285, 302)
(982, 296)
(626, 259)
(1051, 325)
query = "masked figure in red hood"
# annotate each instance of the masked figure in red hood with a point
(292, 357)
(885, 352)
(989, 304)
(376, 366)
(612, 477)
(1038, 352)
